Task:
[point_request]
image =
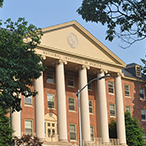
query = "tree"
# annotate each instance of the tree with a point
(113, 129)
(124, 18)
(27, 140)
(5, 129)
(134, 133)
(19, 64)
(1, 2)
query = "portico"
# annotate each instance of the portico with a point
(70, 48)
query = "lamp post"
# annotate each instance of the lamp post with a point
(78, 95)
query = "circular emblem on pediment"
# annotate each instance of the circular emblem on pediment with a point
(72, 40)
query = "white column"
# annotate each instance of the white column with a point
(39, 108)
(120, 111)
(97, 113)
(85, 119)
(103, 110)
(61, 102)
(16, 123)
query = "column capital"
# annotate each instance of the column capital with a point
(43, 57)
(85, 66)
(119, 74)
(101, 70)
(59, 62)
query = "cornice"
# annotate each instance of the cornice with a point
(133, 79)
(71, 53)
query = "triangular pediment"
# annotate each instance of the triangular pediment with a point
(73, 39)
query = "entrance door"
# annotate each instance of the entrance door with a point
(51, 127)
(51, 131)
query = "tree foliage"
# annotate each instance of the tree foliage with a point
(134, 133)
(1, 2)
(19, 63)
(5, 129)
(27, 140)
(112, 129)
(124, 18)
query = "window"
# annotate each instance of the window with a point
(72, 128)
(141, 92)
(28, 99)
(70, 80)
(71, 102)
(128, 109)
(28, 126)
(89, 86)
(50, 99)
(143, 114)
(92, 133)
(111, 87)
(112, 110)
(127, 91)
(90, 106)
(50, 76)
(138, 71)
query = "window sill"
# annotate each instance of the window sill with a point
(73, 140)
(111, 93)
(70, 86)
(113, 116)
(51, 108)
(72, 111)
(91, 114)
(127, 96)
(28, 105)
(142, 99)
(51, 83)
(143, 120)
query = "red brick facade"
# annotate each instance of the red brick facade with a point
(133, 101)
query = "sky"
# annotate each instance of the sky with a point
(45, 13)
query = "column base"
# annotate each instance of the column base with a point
(106, 143)
(63, 140)
(86, 143)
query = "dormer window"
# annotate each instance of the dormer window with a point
(138, 71)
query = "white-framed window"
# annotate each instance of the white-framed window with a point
(112, 110)
(28, 127)
(142, 94)
(143, 114)
(90, 85)
(128, 109)
(27, 99)
(71, 102)
(127, 91)
(72, 128)
(90, 106)
(111, 87)
(70, 80)
(51, 100)
(92, 133)
(50, 76)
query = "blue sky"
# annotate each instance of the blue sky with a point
(45, 13)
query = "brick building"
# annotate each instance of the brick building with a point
(73, 57)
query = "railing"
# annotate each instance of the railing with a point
(98, 142)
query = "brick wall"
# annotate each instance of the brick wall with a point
(134, 102)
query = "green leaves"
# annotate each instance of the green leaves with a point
(125, 19)
(5, 129)
(134, 133)
(18, 62)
